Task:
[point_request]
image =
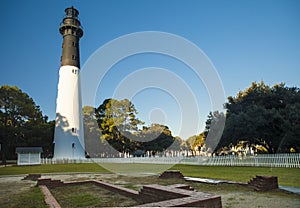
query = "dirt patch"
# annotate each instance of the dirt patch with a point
(15, 192)
(236, 196)
(13, 185)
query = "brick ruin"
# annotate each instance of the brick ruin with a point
(178, 195)
(264, 183)
(171, 174)
(154, 195)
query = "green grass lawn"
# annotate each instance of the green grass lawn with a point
(57, 168)
(286, 176)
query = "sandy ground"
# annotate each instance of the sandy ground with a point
(14, 184)
(261, 200)
(241, 198)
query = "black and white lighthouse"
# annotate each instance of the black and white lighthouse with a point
(69, 135)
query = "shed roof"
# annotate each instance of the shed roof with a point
(29, 149)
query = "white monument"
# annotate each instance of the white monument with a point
(69, 135)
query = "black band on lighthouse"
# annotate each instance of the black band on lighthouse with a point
(71, 31)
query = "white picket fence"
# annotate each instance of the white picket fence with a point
(267, 160)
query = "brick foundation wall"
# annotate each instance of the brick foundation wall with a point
(150, 195)
(32, 177)
(264, 183)
(49, 198)
(177, 195)
(172, 174)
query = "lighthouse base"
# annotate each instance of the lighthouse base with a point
(69, 132)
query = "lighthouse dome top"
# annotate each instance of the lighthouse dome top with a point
(71, 12)
(71, 24)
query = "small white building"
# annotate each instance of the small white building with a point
(29, 155)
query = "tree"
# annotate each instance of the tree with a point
(22, 123)
(156, 138)
(95, 145)
(196, 142)
(213, 130)
(178, 144)
(265, 116)
(118, 123)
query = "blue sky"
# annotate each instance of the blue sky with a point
(245, 40)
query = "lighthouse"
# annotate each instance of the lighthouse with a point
(69, 135)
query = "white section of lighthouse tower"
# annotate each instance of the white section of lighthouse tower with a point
(69, 133)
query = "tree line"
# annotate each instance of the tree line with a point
(264, 118)
(22, 124)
